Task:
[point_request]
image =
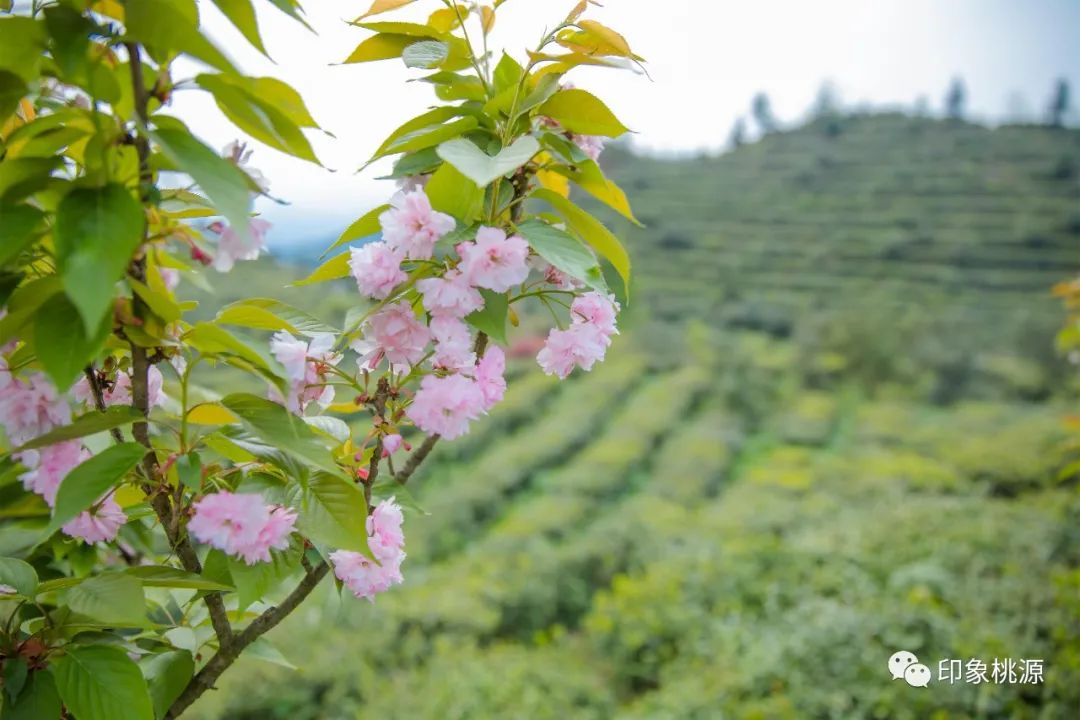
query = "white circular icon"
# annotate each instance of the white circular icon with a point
(899, 662)
(917, 675)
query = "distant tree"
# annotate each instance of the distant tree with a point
(737, 138)
(1059, 103)
(955, 100)
(922, 107)
(763, 115)
(826, 104)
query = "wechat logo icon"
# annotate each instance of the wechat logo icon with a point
(903, 665)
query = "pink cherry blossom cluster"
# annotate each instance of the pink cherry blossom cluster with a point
(231, 246)
(586, 341)
(242, 525)
(307, 364)
(30, 408)
(461, 386)
(386, 540)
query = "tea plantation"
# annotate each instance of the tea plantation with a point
(831, 429)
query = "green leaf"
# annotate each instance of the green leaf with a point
(482, 168)
(362, 228)
(275, 425)
(61, 342)
(261, 649)
(14, 676)
(84, 485)
(244, 104)
(167, 674)
(331, 510)
(451, 86)
(22, 42)
(582, 112)
(507, 73)
(416, 163)
(269, 314)
(97, 231)
(91, 423)
(24, 176)
(384, 46)
(224, 184)
(564, 251)
(37, 701)
(189, 469)
(12, 90)
(334, 268)
(592, 180)
(170, 577)
(113, 598)
(453, 193)
(100, 682)
(425, 54)
(19, 575)
(591, 230)
(380, 6)
(491, 319)
(172, 27)
(255, 582)
(431, 118)
(241, 14)
(20, 226)
(428, 136)
(210, 339)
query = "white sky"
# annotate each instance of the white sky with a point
(706, 58)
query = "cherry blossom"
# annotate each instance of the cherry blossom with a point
(591, 145)
(489, 376)
(446, 405)
(392, 443)
(48, 466)
(242, 525)
(387, 542)
(597, 310)
(581, 345)
(412, 226)
(453, 343)
(100, 523)
(377, 269)
(30, 407)
(495, 261)
(393, 333)
(450, 295)
(232, 246)
(306, 367)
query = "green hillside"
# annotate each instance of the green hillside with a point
(831, 429)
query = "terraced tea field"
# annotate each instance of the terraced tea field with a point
(830, 429)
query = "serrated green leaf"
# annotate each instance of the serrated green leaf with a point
(582, 112)
(170, 577)
(425, 54)
(365, 226)
(564, 252)
(113, 598)
(224, 184)
(38, 700)
(97, 230)
(167, 674)
(100, 682)
(172, 27)
(88, 481)
(61, 342)
(241, 13)
(20, 226)
(331, 510)
(255, 582)
(334, 268)
(454, 194)
(592, 231)
(91, 423)
(491, 319)
(275, 425)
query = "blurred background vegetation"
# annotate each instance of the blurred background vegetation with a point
(832, 428)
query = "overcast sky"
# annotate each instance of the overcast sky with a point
(706, 59)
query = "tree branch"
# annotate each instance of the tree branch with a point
(168, 514)
(226, 656)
